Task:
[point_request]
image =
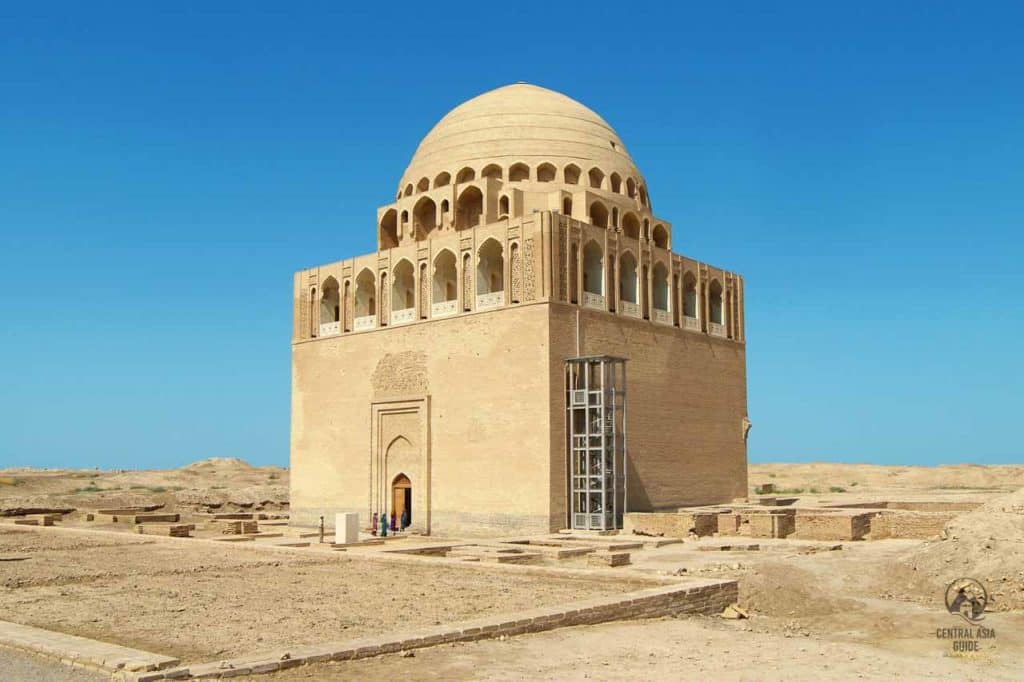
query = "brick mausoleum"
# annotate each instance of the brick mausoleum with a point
(524, 352)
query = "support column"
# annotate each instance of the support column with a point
(705, 312)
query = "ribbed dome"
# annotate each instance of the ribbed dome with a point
(519, 123)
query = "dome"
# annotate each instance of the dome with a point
(519, 124)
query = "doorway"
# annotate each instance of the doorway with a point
(401, 499)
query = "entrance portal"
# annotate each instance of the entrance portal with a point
(401, 499)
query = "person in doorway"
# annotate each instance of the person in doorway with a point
(405, 518)
(393, 526)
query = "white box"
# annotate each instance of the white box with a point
(346, 528)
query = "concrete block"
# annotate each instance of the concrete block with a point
(346, 528)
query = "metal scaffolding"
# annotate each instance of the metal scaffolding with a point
(595, 401)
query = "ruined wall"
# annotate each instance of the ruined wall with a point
(909, 524)
(671, 524)
(686, 399)
(840, 525)
(479, 381)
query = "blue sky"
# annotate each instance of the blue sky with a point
(165, 168)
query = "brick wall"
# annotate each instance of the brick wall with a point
(832, 525)
(671, 524)
(772, 525)
(909, 524)
(685, 402)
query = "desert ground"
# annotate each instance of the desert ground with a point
(868, 609)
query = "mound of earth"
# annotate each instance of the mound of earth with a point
(986, 544)
(785, 591)
(219, 464)
(250, 497)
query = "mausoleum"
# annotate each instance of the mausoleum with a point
(524, 351)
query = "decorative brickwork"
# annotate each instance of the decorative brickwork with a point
(424, 292)
(562, 282)
(349, 310)
(400, 374)
(529, 272)
(304, 316)
(574, 267)
(610, 290)
(516, 268)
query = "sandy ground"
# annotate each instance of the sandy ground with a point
(203, 602)
(847, 481)
(700, 648)
(869, 610)
(220, 484)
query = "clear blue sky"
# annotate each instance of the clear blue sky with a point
(165, 168)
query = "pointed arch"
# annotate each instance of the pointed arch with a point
(503, 206)
(388, 233)
(445, 277)
(546, 172)
(492, 170)
(630, 187)
(330, 301)
(408, 190)
(596, 176)
(593, 268)
(490, 270)
(469, 208)
(631, 225)
(598, 214)
(424, 215)
(690, 295)
(518, 172)
(567, 206)
(627, 277)
(366, 294)
(443, 179)
(659, 292)
(571, 174)
(403, 286)
(615, 183)
(660, 236)
(467, 174)
(715, 311)
(423, 185)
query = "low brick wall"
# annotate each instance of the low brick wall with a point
(729, 523)
(959, 507)
(697, 597)
(670, 524)
(838, 525)
(909, 524)
(772, 525)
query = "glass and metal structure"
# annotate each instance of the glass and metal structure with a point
(595, 401)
